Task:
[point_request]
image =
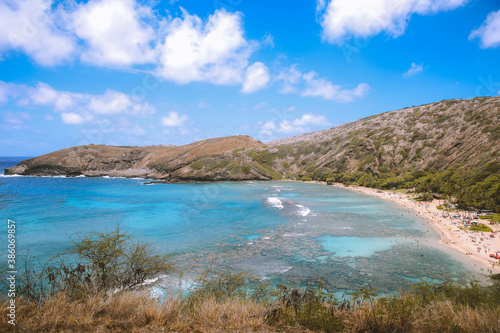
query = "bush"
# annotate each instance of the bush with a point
(219, 287)
(245, 168)
(493, 217)
(480, 227)
(99, 262)
(198, 165)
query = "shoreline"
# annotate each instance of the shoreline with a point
(467, 243)
(472, 245)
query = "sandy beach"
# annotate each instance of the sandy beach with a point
(476, 246)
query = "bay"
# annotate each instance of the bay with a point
(277, 231)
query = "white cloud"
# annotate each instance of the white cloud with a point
(11, 118)
(289, 78)
(414, 69)
(4, 93)
(317, 87)
(257, 76)
(268, 40)
(267, 128)
(126, 33)
(116, 32)
(44, 94)
(293, 126)
(343, 19)
(489, 32)
(72, 118)
(174, 120)
(300, 124)
(112, 102)
(310, 119)
(213, 51)
(31, 26)
(308, 84)
(142, 109)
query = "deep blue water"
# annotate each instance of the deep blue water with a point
(283, 231)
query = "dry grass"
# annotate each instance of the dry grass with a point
(136, 312)
(437, 317)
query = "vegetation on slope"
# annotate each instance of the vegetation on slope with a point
(477, 187)
(450, 148)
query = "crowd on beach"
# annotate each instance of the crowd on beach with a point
(453, 227)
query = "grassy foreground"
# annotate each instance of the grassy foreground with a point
(224, 305)
(102, 286)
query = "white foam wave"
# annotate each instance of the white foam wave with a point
(303, 211)
(155, 279)
(293, 234)
(275, 202)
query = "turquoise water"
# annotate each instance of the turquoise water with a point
(278, 231)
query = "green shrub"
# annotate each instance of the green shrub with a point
(493, 217)
(99, 262)
(245, 168)
(480, 227)
(198, 165)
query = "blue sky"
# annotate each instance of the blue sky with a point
(130, 72)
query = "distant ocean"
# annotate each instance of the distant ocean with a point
(278, 231)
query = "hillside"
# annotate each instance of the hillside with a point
(463, 134)
(431, 137)
(155, 162)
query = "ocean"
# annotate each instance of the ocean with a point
(277, 231)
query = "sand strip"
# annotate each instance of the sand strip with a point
(476, 246)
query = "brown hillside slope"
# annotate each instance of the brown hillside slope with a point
(157, 162)
(432, 137)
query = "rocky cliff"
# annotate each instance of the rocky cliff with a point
(170, 163)
(432, 137)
